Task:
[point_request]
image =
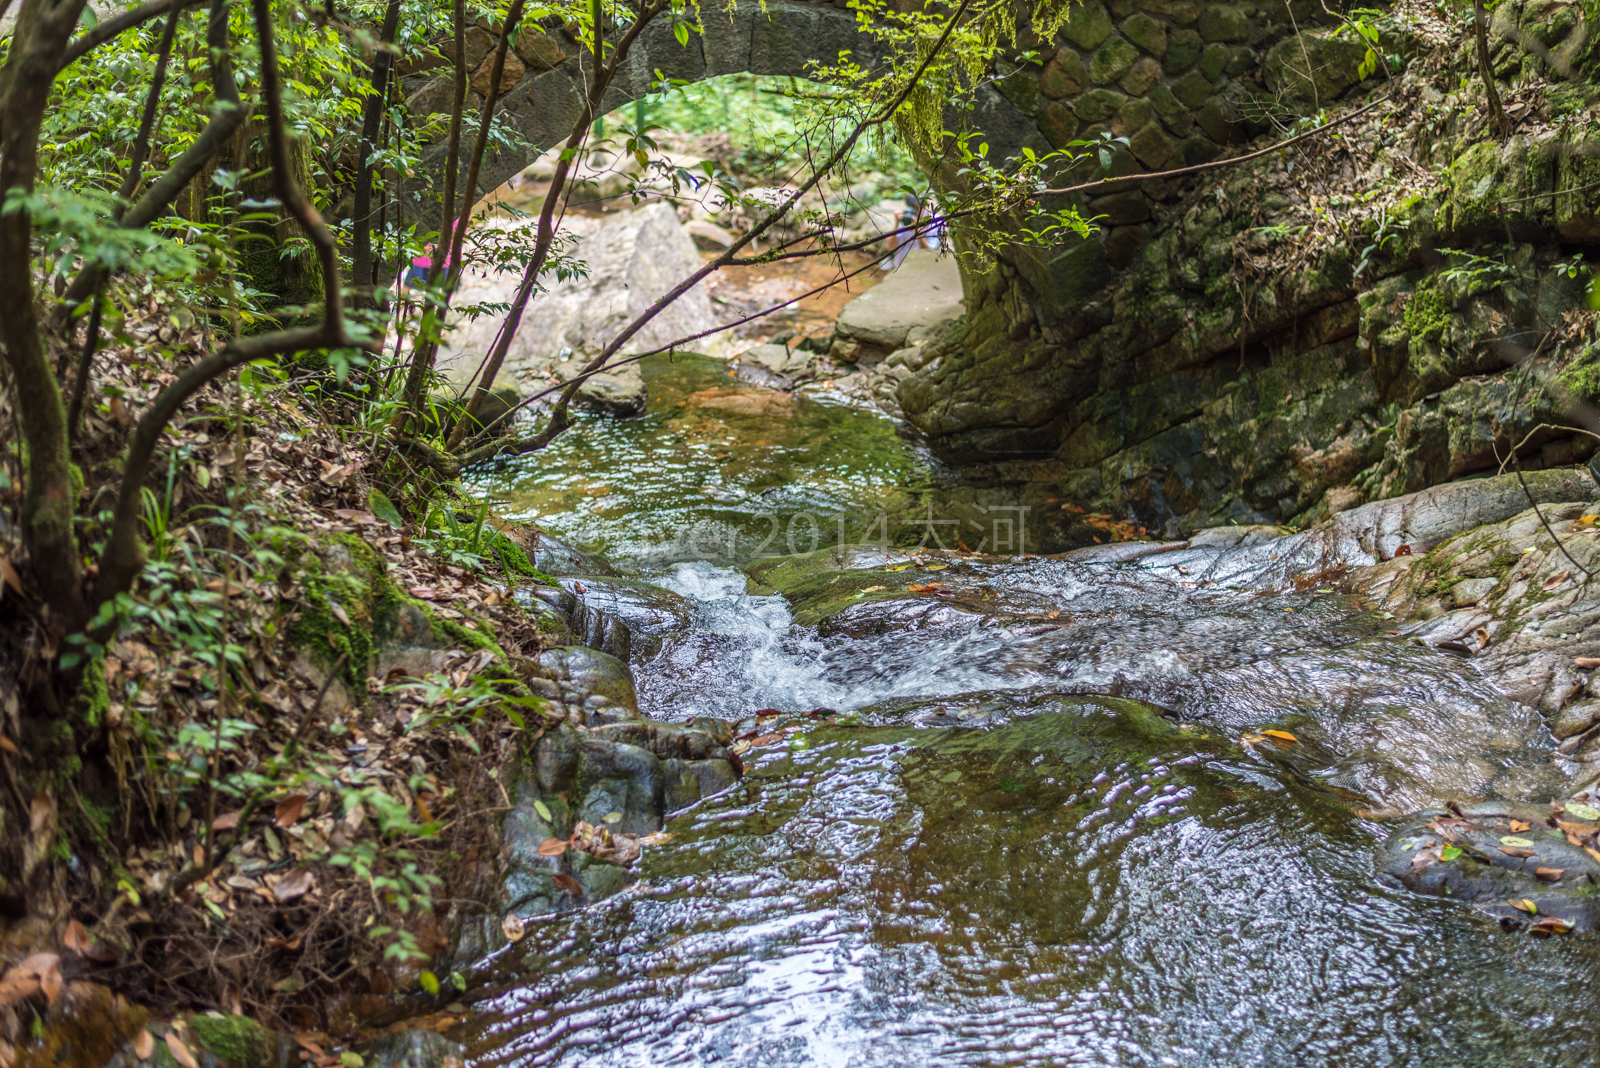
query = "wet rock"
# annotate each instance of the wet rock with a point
(924, 291)
(774, 366)
(633, 258)
(690, 781)
(590, 673)
(556, 557)
(647, 612)
(1494, 854)
(413, 1049)
(624, 786)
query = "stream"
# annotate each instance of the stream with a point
(1027, 822)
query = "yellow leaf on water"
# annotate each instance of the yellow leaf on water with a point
(874, 589)
(1284, 735)
(1525, 905)
(935, 567)
(897, 567)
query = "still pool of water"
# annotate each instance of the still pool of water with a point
(1074, 880)
(714, 470)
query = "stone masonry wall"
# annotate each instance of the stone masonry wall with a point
(1151, 374)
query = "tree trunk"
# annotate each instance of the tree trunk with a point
(50, 500)
(361, 266)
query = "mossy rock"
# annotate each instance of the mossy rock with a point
(353, 611)
(238, 1041)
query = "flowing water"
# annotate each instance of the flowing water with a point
(989, 835)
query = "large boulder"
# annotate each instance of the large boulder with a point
(921, 296)
(632, 259)
(1307, 70)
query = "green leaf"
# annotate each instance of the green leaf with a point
(458, 981)
(679, 30)
(544, 811)
(351, 1059)
(429, 982)
(1583, 812)
(1449, 852)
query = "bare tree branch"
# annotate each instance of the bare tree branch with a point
(120, 562)
(227, 114)
(120, 23)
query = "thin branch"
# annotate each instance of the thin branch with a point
(491, 450)
(558, 415)
(227, 114)
(1199, 168)
(599, 83)
(361, 265)
(122, 557)
(117, 24)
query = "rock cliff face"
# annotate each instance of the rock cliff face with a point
(1356, 318)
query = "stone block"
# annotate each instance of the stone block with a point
(510, 74)
(1123, 246)
(1097, 105)
(1242, 58)
(1120, 209)
(1164, 102)
(1176, 12)
(539, 51)
(1112, 61)
(1151, 146)
(1191, 90)
(1064, 75)
(1131, 116)
(1306, 69)
(1223, 22)
(1058, 124)
(1220, 123)
(1197, 149)
(1183, 49)
(1147, 33)
(1021, 87)
(1213, 60)
(1088, 26)
(1140, 77)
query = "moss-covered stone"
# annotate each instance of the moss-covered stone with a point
(1087, 26)
(238, 1041)
(1148, 33)
(1112, 61)
(1223, 22)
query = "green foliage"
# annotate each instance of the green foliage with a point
(1428, 313)
(1581, 377)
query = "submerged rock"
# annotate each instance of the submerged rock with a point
(1523, 864)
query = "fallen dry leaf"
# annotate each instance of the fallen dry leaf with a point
(552, 847)
(931, 587)
(766, 739)
(1557, 579)
(1525, 904)
(74, 937)
(567, 884)
(1520, 825)
(1549, 875)
(1586, 662)
(290, 944)
(293, 885)
(12, 579)
(179, 1051)
(513, 927)
(9, 746)
(656, 838)
(144, 1045)
(289, 809)
(1282, 735)
(1516, 851)
(1548, 926)
(226, 822)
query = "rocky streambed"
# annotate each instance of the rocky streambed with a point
(1259, 797)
